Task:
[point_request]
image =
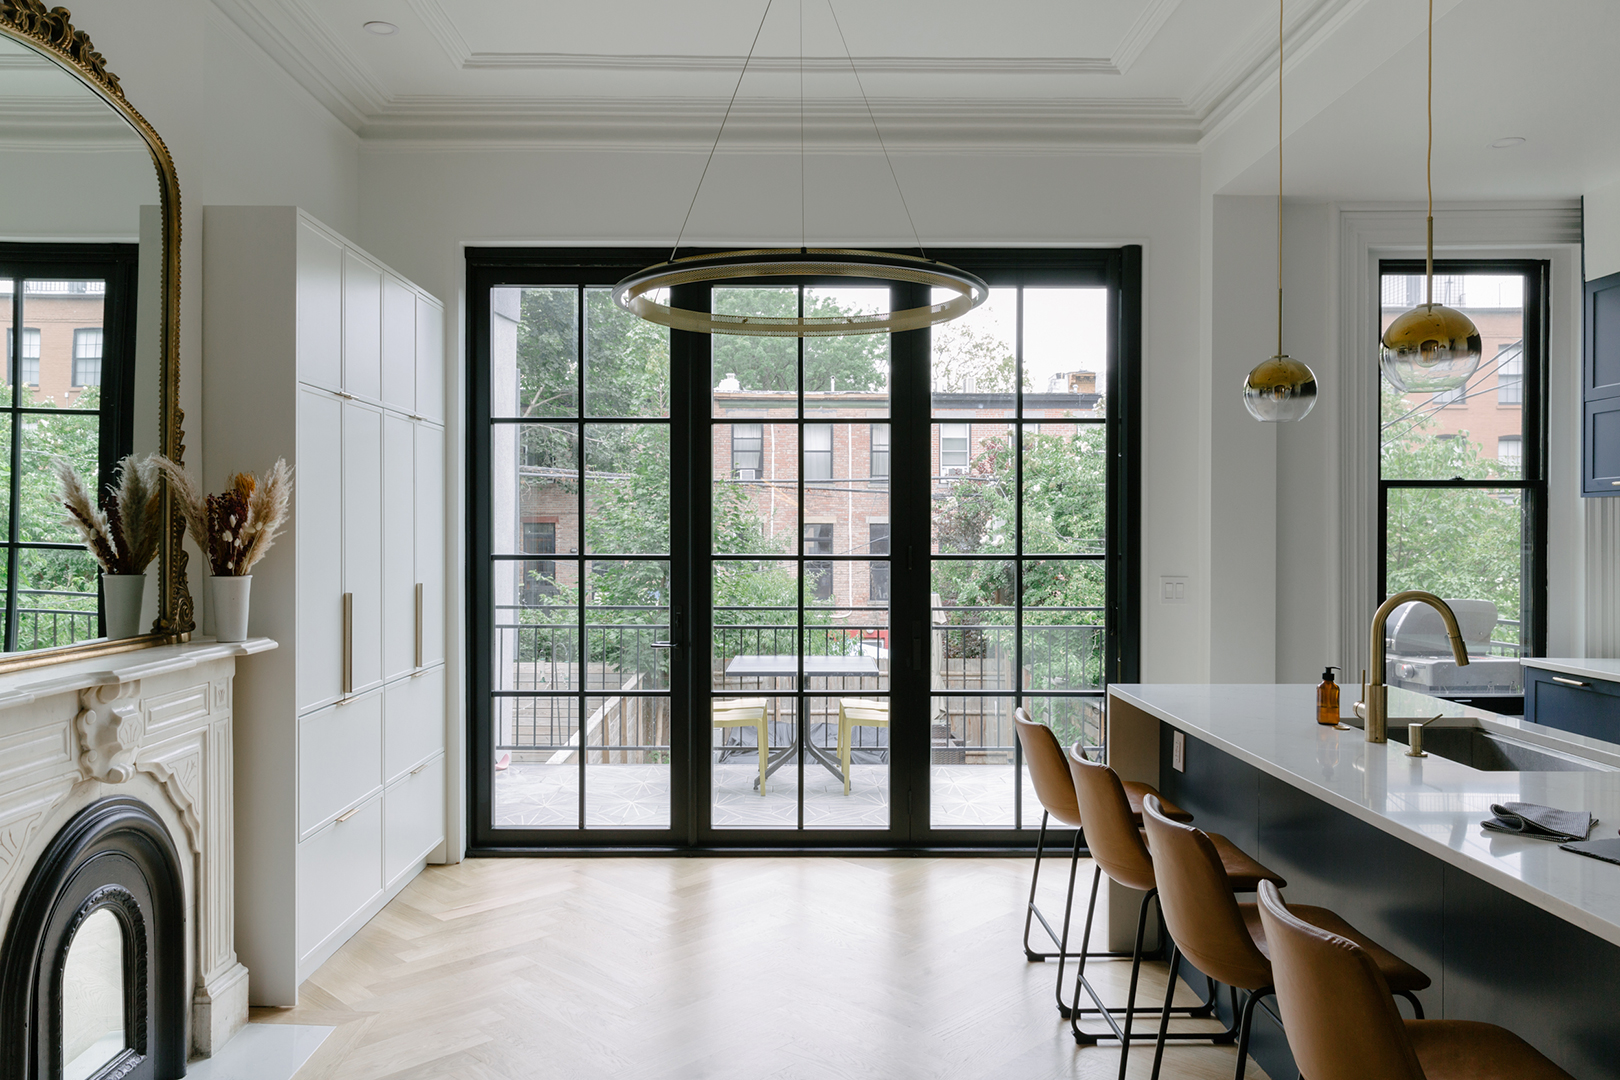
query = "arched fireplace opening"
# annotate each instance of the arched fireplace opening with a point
(92, 969)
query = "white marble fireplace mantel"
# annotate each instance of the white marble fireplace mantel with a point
(153, 724)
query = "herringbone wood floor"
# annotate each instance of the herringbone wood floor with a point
(746, 968)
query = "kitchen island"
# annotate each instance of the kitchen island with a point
(1513, 931)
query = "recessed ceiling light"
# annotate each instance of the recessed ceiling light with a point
(1511, 140)
(382, 29)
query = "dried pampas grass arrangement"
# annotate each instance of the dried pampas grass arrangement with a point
(237, 527)
(124, 528)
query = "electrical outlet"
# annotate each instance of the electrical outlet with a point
(1172, 590)
(1178, 751)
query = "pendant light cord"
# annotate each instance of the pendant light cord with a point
(740, 75)
(876, 131)
(1428, 164)
(803, 248)
(1280, 4)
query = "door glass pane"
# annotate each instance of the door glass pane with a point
(846, 376)
(535, 480)
(756, 488)
(536, 780)
(1474, 432)
(536, 625)
(534, 351)
(972, 775)
(738, 801)
(1065, 488)
(1466, 546)
(626, 360)
(755, 373)
(975, 358)
(973, 486)
(847, 732)
(756, 625)
(626, 613)
(1063, 631)
(627, 489)
(1065, 352)
(627, 762)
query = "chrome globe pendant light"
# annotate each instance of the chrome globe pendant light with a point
(1431, 347)
(1280, 388)
(637, 293)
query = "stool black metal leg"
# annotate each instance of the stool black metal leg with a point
(1164, 1017)
(1034, 879)
(1245, 1028)
(1417, 1006)
(1068, 910)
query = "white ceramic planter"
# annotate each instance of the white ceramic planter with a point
(230, 596)
(123, 593)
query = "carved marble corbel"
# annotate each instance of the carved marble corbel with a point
(110, 729)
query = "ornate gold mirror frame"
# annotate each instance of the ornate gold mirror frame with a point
(50, 32)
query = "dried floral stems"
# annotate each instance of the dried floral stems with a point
(237, 527)
(122, 531)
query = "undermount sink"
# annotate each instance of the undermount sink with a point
(1489, 752)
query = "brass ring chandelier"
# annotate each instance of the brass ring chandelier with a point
(632, 293)
(635, 293)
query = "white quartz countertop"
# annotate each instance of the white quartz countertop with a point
(1592, 669)
(31, 684)
(1433, 804)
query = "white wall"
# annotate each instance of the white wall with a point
(1602, 207)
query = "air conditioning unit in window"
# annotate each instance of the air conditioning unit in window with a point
(748, 474)
(954, 470)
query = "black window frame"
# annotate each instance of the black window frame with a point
(1117, 269)
(118, 266)
(1532, 482)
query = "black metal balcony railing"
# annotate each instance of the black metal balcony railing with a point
(71, 617)
(629, 721)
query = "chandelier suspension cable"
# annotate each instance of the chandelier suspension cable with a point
(876, 130)
(1428, 162)
(1280, 176)
(710, 160)
(803, 243)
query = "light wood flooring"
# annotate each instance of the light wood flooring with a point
(746, 968)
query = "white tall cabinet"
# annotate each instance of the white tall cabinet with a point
(318, 353)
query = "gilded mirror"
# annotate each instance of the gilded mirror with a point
(89, 299)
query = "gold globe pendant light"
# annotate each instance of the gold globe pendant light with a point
(1280, 388)
(637, 293)
(1431, 347)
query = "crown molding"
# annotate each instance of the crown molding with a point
(1251, 72)
(302, 44)
(66, 124)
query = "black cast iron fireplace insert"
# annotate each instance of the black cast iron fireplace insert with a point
(113, 873)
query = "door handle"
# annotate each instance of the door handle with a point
(1569, 682)
(663, 644)
(348, 643)
(418, 624)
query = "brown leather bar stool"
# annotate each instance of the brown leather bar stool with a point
(1226, 940)
(1115, 838)
(1342, 1023)
(1049, 773)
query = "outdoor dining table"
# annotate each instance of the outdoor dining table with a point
(788, 667)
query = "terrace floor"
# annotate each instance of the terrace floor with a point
(536, 796)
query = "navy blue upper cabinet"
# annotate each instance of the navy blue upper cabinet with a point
(1600, 389)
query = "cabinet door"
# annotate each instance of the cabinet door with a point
(317, 539)
(430, 527)
(362, 540)
(362, 326)
(399, 546)
(339, 873)
(320, 308)
(1600, 388)
(413, 820)
(398, 345)
(429, 360)
(340, 751)
(413, 722)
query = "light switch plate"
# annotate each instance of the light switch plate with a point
(1172, 590)
(1178, 750)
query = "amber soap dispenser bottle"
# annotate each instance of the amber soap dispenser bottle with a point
(1327, 699)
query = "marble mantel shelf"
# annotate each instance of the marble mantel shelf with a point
(1433, 804)
(23, 687)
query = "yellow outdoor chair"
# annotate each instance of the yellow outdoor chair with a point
(854, 713)
(749, 712)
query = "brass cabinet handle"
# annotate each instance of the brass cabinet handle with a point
(418, 624)
(348, 643)
(1569, 682)
(420, 767)
(345, 817)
